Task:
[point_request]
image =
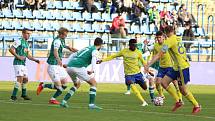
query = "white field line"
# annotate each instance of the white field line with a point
(111, 109)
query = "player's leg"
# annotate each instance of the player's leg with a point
(128, 92)
(24, 89)
(175, 82)
(159, 87)
(151, 88)
(185, 78)
(137, 78)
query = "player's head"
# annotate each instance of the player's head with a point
(132, 44)
(159, 37)
(62, 32)
(26, 34)
(169, 31)
(98, 42)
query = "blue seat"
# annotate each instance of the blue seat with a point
(1, 14)
(97, 16)
(97, 28)
(77, 27)
(7, 13)
(67, 15)
(58, 16)
(37, 26)
(56, 26)
(160, 8)
(164, 1)
(17, 25)
(155, 1)
(48, 15)
(67, 5)
(59, 5)
(76, 6)
(87, 27)
(106, 28)
(68, 26)
(77, 16)
(98, 5)
(201, 31)
(47, 26)
(18, 13)
(135, 29)
(50, 5)
(145, 29)
(28, 14)
(27, 25)
(106, 17)
(37, 14)
(180, 31)
(87, 16)
(7, 25)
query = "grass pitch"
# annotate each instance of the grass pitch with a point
(117, 106)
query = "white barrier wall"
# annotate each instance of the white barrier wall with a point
(107, 72)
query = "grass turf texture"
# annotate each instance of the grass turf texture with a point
(117, 106)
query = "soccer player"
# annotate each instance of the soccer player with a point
(20, 50)
(165, 65)
(76, 68)
(56, 71)
(180, 70)
(131, 57)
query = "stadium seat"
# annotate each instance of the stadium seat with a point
(27, 25)
(201, 31)
(164, 1)
(28, 14)
(87, 16)
(1, 14)
(97, 16)
(37, 26)
(68, 26)
(113, 16)
(68, 16)
(98, 5)
(106, 28)
(37, 14)
(106, 17)
(160, 8)
(77, 16)
(145, 29)
(48, 15)
(58, 16)
(7, 13)
(135, 29)
(155, 1)
(77, 27)
(50, 5)
(180, 31)
(67, 5)
(47, 26)
(87, 27)
(17, 25)
(76, 6)
(7, 25)
(56, 26)
(18, 13)
(96, 27)
(59, 5)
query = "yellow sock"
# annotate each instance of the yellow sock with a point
(137, 92)
(191, 98)
(172, 92)
(160, 90)
(178, 92)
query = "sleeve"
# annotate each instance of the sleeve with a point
(16, 43)
(57, 44)
(94, 59)
(119, 54)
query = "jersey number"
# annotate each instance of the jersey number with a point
(83, 52)
(180, 48)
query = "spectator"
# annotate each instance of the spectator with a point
(30, 4)
(188, 35)
(154, 16)
(89, 6)
(42, 4)
(183, 14)
(165, 15)
(118, 26)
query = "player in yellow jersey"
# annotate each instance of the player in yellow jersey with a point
(165, 65)
(131, 57)
(180, 70)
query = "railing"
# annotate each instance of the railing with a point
(200, 6)
(211, 17)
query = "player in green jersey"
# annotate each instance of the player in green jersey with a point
(20, 49)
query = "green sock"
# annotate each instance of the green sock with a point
(16, 88)
(58, 92)
(24, 91)
(128, 87)
(151, 92)
(92, 95)
(70, 93)
(50, 86)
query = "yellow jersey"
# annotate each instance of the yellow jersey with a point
(177, 52)
(130, 60)
(165, 60)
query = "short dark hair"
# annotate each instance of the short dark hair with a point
(169, 29)
(132, 41)
(25, 30)
(159, 33)
(98, 41)
(62, 30)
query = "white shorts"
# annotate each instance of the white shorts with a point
(81, 73)
(20, 70)
(57, 73)
(148, 76)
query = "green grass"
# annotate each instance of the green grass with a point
(117, 106)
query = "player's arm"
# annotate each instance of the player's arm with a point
(155, 58)
(119, 54)
(32, 58)
(13, 51)
(57, 45)
(71, 49)
(93, 62)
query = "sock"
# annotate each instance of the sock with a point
(191, 98)
(24, 91)
(70, 93)
(92, 95)
(178, 92)
(151, 92)
(58, 92)
(160, 90)
(137, 93)
(128, 87)
(16, 88)
(50, 86)
(172, 92)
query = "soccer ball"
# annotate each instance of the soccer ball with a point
(158, 101)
